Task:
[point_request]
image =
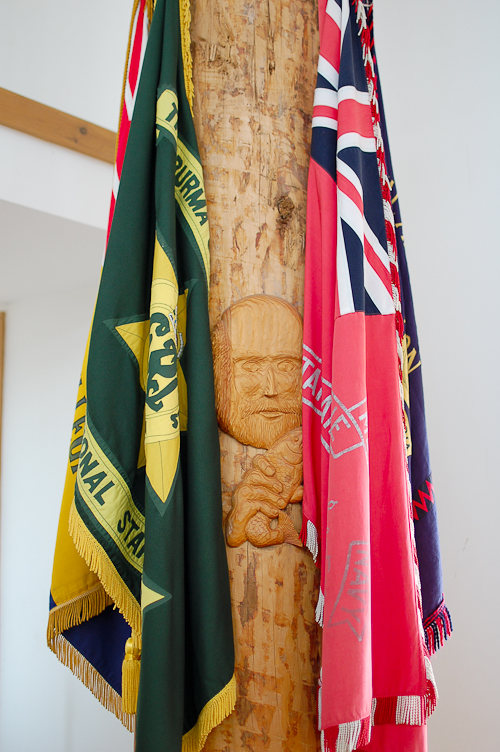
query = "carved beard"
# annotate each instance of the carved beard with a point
(247, 424)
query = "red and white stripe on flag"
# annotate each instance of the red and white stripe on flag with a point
(133, 67)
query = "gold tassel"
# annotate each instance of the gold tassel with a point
(122, 101)
(214, 712)
(98, 561)
(83, 670)
(150, 6)
(187, 60)
(131, 669)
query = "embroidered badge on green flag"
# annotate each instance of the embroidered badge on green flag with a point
(147, 512)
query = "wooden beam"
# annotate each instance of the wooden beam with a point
(58, 127)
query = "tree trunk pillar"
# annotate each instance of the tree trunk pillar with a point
(255, 72)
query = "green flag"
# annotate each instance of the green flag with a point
(147, 512)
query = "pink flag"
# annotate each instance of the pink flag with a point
(357, 506)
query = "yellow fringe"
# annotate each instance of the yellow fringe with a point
(97, 560)
(77, 610)
(214, 712)
(92, 679)
(131, 670)
(187, 60)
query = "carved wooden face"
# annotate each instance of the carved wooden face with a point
(259, 399)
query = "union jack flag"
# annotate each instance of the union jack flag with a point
(343, 144)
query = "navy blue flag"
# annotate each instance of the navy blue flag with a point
(437, 620)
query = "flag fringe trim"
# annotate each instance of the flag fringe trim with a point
(437, 628)
(410, 710)
(187, 59)
(92, 679)
(214, 712)
(347, 736)
(320, 608)
(79, 609)
(98, 562)
(309, 537)
(364, 32)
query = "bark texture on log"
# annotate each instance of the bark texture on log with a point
(254, 74)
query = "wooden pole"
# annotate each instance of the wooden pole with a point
(254, 73)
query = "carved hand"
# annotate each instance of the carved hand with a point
(273, 481)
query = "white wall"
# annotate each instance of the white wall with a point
(41, 253)
(68, 54)
(43, 707)
(54, 180)
(53, 213)
(438, 65)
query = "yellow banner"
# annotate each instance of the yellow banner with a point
(190, 195)
(108, 497)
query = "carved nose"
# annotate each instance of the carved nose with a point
(270, 386)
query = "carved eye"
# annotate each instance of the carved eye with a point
(251, 365)
(287, 366)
